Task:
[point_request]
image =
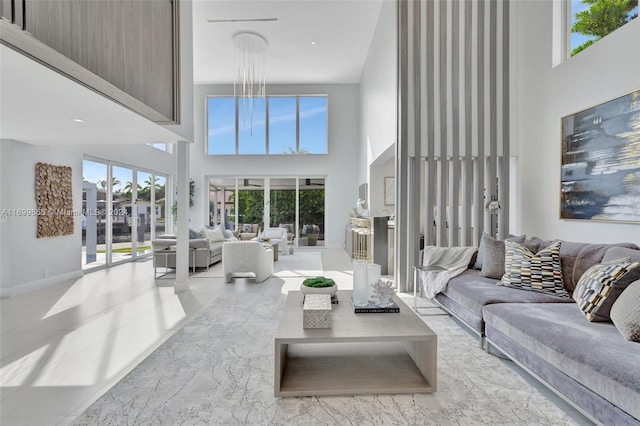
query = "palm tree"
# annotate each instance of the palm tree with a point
(114, 182)
(128, 189)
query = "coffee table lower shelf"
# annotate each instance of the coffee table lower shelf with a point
(310, 369)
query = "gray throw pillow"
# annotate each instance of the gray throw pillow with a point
(481, 247)
(490, 259)
(193, 234)
(625, 312)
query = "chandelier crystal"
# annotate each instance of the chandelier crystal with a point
(249, 82)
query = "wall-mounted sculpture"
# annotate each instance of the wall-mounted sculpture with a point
(54, 200)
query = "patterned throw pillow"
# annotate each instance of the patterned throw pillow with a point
(540, 272)
(600, 286)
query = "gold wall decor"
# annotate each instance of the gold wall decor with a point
(54, 200)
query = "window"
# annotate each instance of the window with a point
(222, 125)
(591, 20)
(313, 125)
(159, 146)
(271, 126)
(282, 125)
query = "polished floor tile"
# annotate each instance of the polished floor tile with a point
(64, 346)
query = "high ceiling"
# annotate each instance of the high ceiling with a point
(38, 105)
(341, 29)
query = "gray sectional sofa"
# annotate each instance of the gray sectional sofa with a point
(590, 364)
(203, 252)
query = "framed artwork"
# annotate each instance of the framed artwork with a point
(601, 162)
(389, 190)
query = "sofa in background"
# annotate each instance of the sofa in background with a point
(205, 248)
(309, 235)
(590, 364)
(276, 236)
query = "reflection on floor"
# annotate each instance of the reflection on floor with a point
(64, 346)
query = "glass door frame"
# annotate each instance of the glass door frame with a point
(267, 197)
(134, 198)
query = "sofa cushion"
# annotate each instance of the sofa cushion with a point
(601, 285)
(215, 235)
(216, 248)
(473, 291)
(482, 248)
(625, 312)
(576, 258)
(539, 272)
(593, 354)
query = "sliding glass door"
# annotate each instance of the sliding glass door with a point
(94, 218)
(122, 216)
(123, 210)
(311, 212)
(291, 202)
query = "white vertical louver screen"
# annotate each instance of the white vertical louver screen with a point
(453, 126)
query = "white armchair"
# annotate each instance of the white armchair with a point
(246, 257)
(276, 236)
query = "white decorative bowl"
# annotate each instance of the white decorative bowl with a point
(318, 290)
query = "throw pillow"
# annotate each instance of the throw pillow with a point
(193, 234)
(541, 272)
(482, 248)
(600, 286)
(215, 235)
(493, 253)
(247, 228)
(625, 312)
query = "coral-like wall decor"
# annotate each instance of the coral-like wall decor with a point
(54, 200)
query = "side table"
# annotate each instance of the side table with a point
(416, 284)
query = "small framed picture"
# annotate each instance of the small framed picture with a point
(389, 190)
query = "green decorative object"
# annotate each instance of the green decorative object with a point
(319, 282)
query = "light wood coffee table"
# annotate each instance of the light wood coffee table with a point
(360, 354)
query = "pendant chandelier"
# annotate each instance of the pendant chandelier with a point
(249, 81)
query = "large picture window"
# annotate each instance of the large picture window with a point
(274, 125)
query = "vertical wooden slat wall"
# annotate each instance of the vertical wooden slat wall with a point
(453, 99)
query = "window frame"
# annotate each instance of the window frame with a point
(267, 126)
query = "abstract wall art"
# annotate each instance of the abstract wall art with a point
(601, 162)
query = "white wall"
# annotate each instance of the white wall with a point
(384, 166)
(608, 69)
(24, 258)
(339, 166)
(378, 130)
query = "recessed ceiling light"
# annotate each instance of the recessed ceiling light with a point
(77, 120)
(313, 42)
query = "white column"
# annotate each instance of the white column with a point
(182, 222)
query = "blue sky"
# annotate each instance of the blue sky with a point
(282, 125)
(94, 172)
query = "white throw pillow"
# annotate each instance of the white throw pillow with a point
(214, 235)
